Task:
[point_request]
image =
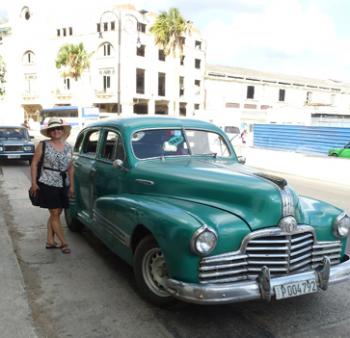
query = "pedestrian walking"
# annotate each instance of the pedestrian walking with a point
(52, 179)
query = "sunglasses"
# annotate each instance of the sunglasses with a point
(56, 128)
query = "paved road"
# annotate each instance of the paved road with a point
(91, 293)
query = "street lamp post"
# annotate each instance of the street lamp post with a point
(118, 17)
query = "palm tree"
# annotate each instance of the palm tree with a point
(2, 76)
(169, 29)
(74, 60)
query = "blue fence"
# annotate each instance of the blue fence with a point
(307, 139)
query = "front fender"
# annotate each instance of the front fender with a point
(172, 223)
(320, 215)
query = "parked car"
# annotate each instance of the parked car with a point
(340, 152)
(15, 144)
(170, 197)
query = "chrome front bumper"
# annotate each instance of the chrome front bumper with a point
(262, 288)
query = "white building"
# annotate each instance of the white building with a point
(148, 83)
(262, 97)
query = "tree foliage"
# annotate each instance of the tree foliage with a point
(2, 76)
(169, 29)
(73, 60)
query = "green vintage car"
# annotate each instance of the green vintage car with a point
(171, 198)
(340, 152)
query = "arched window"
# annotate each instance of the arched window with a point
(28, 58)
(25, 13)
(106, 49)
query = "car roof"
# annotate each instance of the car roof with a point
(137, 123)
(21, 127)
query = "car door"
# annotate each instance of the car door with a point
(109, 182)
(346, 151)
(85, 172)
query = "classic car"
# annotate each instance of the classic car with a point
(340, 152)
(170, 197)
(15, 144)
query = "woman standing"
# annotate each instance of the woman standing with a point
(55, 184)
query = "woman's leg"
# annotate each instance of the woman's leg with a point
(56, 226)
(50, 233)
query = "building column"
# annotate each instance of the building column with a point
(151, 107)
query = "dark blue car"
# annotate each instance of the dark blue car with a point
(15, 144)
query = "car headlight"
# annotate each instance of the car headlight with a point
(28, 148)
(203, 241)
(1, 148)
(341, 225)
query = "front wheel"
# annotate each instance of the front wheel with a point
(151, 272)
(73, 224)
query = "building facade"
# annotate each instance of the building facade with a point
(262, 97)
(126, 66)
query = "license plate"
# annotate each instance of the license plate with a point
(13, 156)
(295, 289)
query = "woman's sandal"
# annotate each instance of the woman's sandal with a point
(52, 246)
(65, 249)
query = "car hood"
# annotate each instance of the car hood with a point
(223, 184)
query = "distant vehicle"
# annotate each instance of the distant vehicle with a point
(171, 198)
(76, 116)
(15, 144)
(340, 152)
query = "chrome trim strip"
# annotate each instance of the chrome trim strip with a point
(115, 231)
(288, 208)
(249, 290)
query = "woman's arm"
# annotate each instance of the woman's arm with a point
(34, 167)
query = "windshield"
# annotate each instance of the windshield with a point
(12, 133)
(178, 142)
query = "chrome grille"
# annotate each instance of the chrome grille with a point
(283, 253)
(13, 148)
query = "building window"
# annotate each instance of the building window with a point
(182, 40)
(161, 55)
(70, 31)
(106, 83)
(196, 106)
(141, 27)
(107, 47)
(161, 84)
(197, 63)
(181, 86)
(28, 58)
(112, 25)
(58, 32)
(25, 13)
(182, 60)
(98, 27)
(282, 95)
(182, 108)
(140, 51)
(250, 92)
(66, 83)
(64, 32)
(140, 81)
(197, 84)
(30, 83)
(308, 97)
(198, 44)
(105, 26)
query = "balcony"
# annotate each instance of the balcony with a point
(30, 96)
(62, 94)
(103, 94)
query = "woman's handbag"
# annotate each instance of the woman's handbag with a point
(35, 199)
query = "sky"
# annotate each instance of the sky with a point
(309, 38)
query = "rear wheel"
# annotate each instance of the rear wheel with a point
(151, 272)
(73, 224)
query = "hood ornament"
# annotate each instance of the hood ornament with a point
(288, 224)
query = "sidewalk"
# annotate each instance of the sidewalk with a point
(15, 314)
(323, 168)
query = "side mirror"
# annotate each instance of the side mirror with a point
(31, 137)
(241, 159)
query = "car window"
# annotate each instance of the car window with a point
(159, 142)
(79, 143)
(204, 142)
(112, 147)
(90, 143)
(13, 133)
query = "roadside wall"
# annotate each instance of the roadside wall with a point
(304, 139)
